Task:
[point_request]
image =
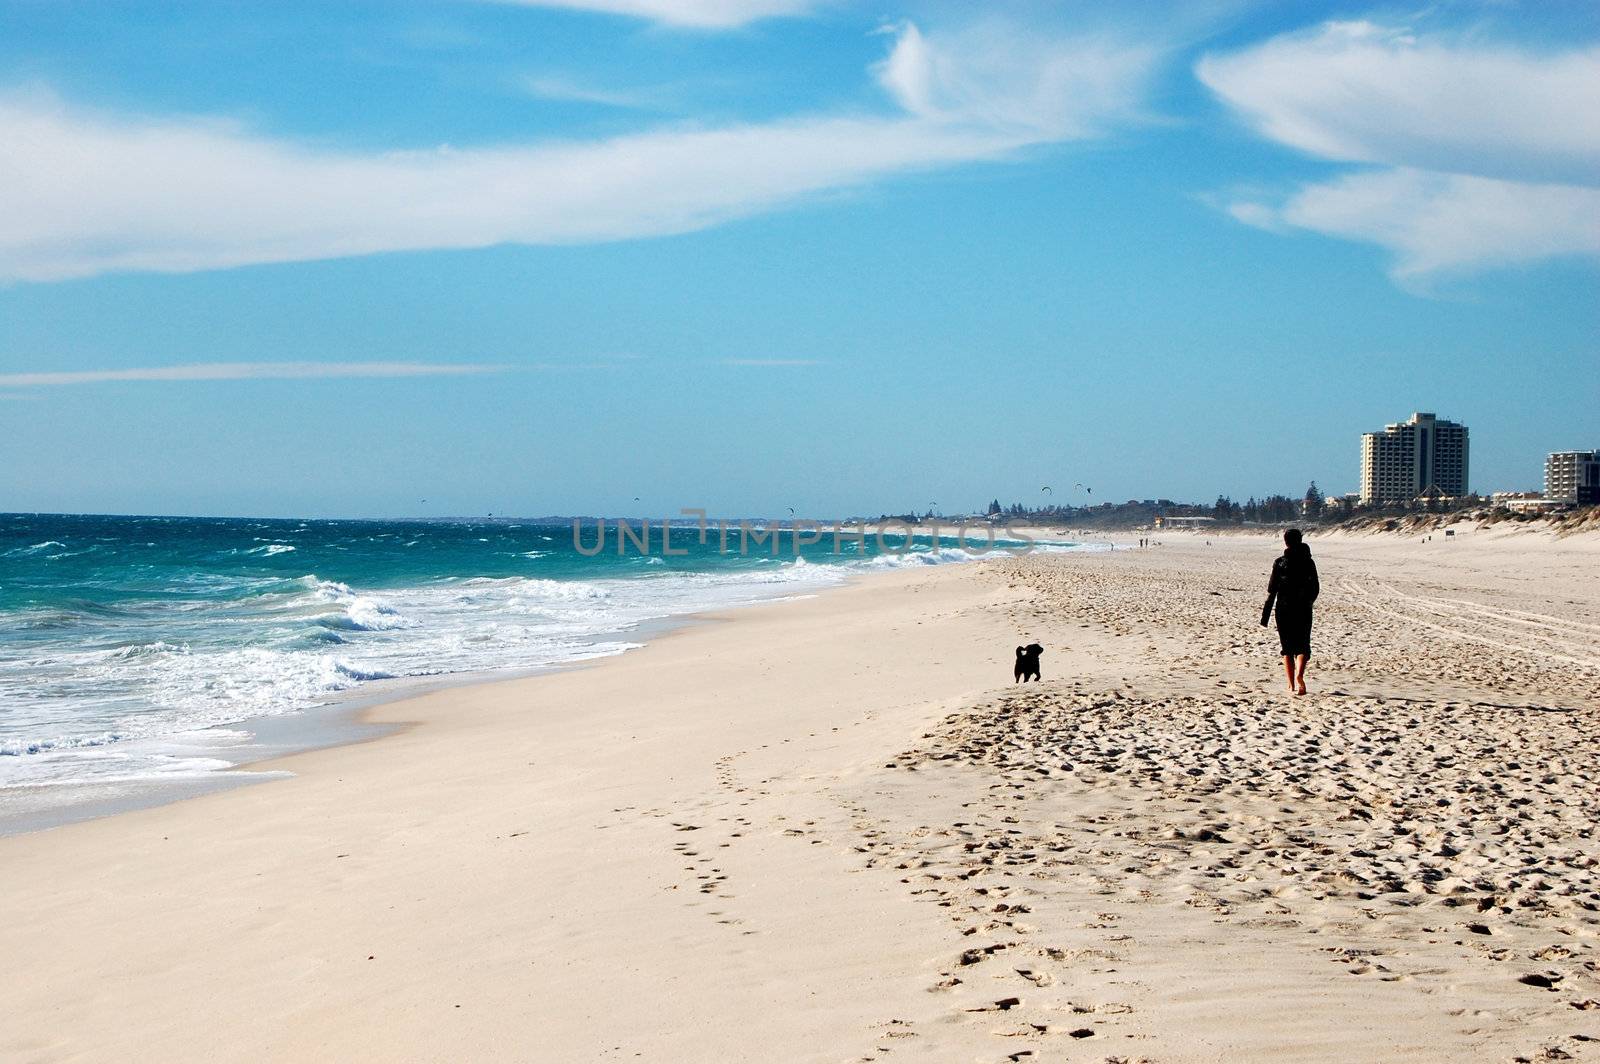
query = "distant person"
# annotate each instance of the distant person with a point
(1293, 586)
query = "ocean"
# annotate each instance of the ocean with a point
(142, 650)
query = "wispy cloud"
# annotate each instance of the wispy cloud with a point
(82, 194)
(1361, 92)
(239, 371)
(771, 362)
(1434, 223)
(1491, 154)
(559, 89)
(995, 76)
(696, 14)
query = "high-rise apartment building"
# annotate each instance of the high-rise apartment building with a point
(1573, 476)
(1412, 457)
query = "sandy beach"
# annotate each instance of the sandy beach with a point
(831, 829)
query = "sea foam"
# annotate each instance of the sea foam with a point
(134, 648)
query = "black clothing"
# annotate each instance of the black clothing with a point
(1294, 632)
(1294, 586)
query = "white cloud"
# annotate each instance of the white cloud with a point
(238, 371)
(1492, 155)
(699, 14)
(1442, 222)
(82, 194)
(566, 90)
(1357, 92)
(989, 74)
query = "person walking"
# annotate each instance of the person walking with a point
(1293, 587)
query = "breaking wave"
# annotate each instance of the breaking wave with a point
(142, 653)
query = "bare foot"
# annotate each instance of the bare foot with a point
(1301, 690)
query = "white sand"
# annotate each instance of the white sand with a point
(700, 851)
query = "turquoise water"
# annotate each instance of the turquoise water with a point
(134, 648)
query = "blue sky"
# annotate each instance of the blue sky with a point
(338, 259)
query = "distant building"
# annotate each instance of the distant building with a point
(1341, 504)
(1526, 502)
(1422, 456)
(1433, 498)
(1573, 476)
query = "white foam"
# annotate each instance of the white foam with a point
(37, 548)
(104, 711)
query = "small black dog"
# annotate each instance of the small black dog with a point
(1028, 662)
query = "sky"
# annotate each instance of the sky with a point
(390, 258)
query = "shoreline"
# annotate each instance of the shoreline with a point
(188, 874)
(344, 720)
(251, 742)
(831, 828)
